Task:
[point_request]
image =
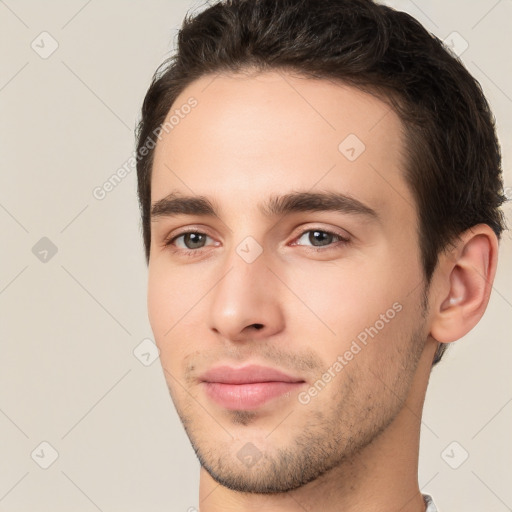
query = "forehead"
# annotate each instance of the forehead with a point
(250, 136)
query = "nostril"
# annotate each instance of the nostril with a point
(258, 326)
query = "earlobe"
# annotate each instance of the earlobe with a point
(469, 270)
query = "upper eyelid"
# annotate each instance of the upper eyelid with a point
(330, 231)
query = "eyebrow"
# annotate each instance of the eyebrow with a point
(177, 204)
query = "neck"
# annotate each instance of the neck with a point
(382, 477)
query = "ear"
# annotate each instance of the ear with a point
(465, 277)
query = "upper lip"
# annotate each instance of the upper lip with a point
(246, 375)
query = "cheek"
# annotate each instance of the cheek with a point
(346, 298)
(173, 309)
(157, 304)
(161, 319)
(166, 300)
(361, 310)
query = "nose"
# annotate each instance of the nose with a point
(245, 304)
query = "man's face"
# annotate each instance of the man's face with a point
(330, 297)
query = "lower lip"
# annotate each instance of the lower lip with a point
(247, 396)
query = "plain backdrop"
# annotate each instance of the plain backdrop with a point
(77, 394)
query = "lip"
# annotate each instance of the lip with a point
(248, 387)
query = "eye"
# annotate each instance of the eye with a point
(319, 238)
(188, 242)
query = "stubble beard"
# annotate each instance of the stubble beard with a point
(329, 439)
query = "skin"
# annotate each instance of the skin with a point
(354, 445)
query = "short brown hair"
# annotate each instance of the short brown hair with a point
(453, 155)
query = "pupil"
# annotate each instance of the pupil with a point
(320, 236)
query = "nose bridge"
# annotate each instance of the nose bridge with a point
(244, 297)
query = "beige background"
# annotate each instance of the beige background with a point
(70, 324)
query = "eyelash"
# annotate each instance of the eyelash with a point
(168, 243)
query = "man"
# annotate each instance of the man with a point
(320, 185)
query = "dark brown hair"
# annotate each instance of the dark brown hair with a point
(452, 152)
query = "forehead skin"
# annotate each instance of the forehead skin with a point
(251, 136)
